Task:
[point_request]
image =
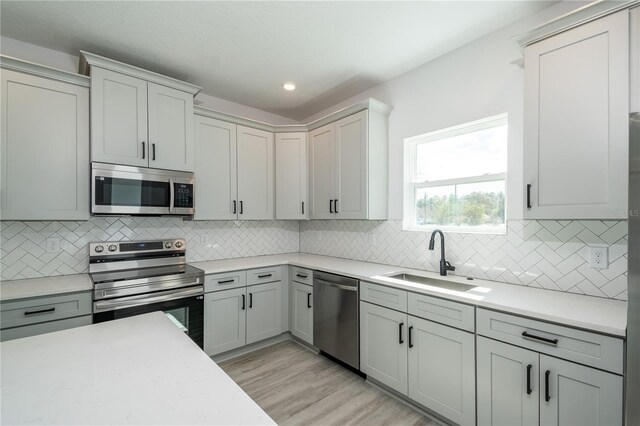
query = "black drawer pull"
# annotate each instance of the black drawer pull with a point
(241, 208)
(302, 276)
(542, 339)
(529, 196)
(153, 145)
(226, 281)
(234, 206)
(529, 390)
(410, 330)
(250, 300)
(335, 205)
(303, 207)
(41, 311)
(265, 276)
(400, 341)
(243, 298)
(330, 206)
(547, 396)
(143, 150)
(309, 300)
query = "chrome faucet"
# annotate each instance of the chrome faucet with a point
(444, 264)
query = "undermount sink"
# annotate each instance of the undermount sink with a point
(417, 279)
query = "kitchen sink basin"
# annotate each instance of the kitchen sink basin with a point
(417, 279)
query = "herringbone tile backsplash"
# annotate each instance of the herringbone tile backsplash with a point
(23, 244)
(549, 254)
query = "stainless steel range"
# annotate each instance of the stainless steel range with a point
(136, 277)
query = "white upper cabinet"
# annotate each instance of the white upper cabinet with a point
(45, 148)
(255, 174)
(291, 176)
(139, 118)
(349, 167)
(216, 169)
(576, 129)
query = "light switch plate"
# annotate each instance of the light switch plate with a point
(599, 257)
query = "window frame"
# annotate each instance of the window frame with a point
(410, 187)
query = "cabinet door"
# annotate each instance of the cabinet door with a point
(442, 370)
(45, 149)
(224, 320)
(351, 167)
(576, 130)
(291, 176)
(216, 181)
(302, 312)
(508, 391)
(322, 158)
(383, 345)
(170, 128)
(571, 394)
(118, 119)
(263, 311)
(255, 174)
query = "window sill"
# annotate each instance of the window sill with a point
(488, 230)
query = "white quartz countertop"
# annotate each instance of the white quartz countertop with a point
(137, 370)
(33, 287)
(590, 313)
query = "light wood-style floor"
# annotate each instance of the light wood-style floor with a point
(297, 387)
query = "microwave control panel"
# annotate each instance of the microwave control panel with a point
(183, 195)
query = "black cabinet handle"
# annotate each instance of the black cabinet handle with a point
(335, 205)
(250, 300)
(547, 396)
(330, 206)
(265, 276)
(143, 151)
(241, 208)
(542, 339)
(243, 299)
(309, 300)
(303, 207)
(410, 331)
(301, 276)
(234, 206)
(153, 147)
(226, 281)
(400, 341)
(529, 196)
(529, 390)
(41, 311)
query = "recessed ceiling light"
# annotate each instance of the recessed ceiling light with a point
(289, 87)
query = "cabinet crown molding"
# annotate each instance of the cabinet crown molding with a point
(367, 104)
(27, 67)
(565, 22)
(88, 60)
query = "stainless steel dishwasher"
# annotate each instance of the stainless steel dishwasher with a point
(335, 317)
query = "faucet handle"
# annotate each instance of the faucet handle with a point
(448, 266)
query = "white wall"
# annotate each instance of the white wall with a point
(66, 62)
(472, 82)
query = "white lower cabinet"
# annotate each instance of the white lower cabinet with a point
(516, 384)
(263, 311)
(302, 311)
(383, 346)
(442, 369)
(508, 392)
(224, 320)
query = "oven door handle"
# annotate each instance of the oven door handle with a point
(172, 194)
(131, 301)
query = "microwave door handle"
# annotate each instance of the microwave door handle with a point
(171, 195)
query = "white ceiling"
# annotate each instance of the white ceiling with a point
(244, 51)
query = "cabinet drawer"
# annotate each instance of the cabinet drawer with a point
(45, 327)
(584, 347)
(443, 311)
(264, 275)
(384, 296)
(301, 275)
(225, 281)
(34, 310)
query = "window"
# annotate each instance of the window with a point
(455, 178)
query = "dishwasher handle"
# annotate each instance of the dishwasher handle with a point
(340, 286)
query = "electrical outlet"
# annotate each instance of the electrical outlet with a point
(53, 245)
(372, 239)
(204, 239)
(599, 257)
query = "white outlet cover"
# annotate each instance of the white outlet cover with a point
(53, 245)
(599, 257)
(372, 239)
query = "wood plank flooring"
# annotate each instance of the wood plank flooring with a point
(297, 387)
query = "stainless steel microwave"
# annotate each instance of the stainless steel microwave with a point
(125, 190)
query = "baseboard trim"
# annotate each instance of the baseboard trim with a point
(234, 353)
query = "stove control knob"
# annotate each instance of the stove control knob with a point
(99, 249)
(179, 244)
(167, 244)
(113, 247)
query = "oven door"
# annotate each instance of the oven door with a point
(185, 307)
